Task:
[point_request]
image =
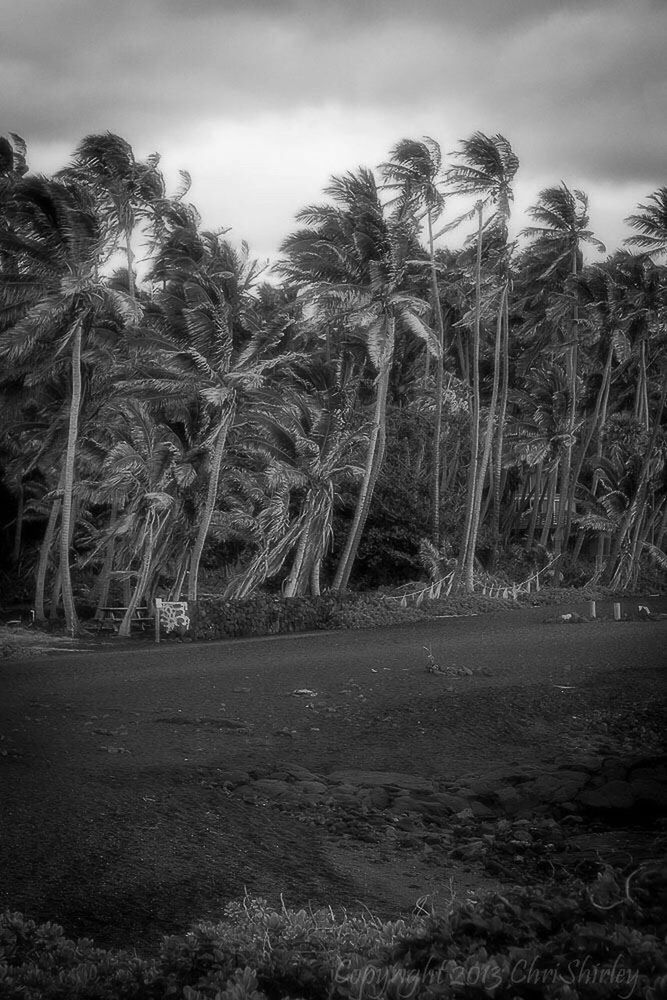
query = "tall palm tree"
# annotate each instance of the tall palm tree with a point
(55, 242)
(124, 189)
(206, 346)
(486, 171)
(350, 261)
(562, 227)
(414, 172)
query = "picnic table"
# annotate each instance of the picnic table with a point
(112, 617)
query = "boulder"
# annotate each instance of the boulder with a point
(649, 792)
(270, 788)
(311, 787)
(612, 795)
(383, 779)
(557, 787)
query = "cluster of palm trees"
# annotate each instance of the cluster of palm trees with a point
(510, 393)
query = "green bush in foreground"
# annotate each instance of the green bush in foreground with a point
(599, 941)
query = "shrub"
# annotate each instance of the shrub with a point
(594, 941)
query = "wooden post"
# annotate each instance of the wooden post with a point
(617, 612)
(158, 608)
(592, 609)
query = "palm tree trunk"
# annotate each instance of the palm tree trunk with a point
(440, 360)
(292, 583)
(481, 472)
(141, 584)
(374, 457)
(45, 552)
(107, 566)
(130, 262)
(18, 525)
(500, 433)
(564, 514)
(212, 492)
(465, 564)
(71, 620)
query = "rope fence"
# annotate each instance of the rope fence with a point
(481, 585)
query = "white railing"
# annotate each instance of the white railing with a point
(481, 585)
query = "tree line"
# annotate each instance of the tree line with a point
(385, 405)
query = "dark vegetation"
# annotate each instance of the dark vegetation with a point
(597, 940)
(391, 408)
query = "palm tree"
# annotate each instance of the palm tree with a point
(55, 242)
(206, 348)
(562, 227)
(414, 171)
(124, 189)
(312, 443)
(651, 224)
(350, 262)
(486, 171)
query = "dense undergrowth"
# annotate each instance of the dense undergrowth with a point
(598, 940)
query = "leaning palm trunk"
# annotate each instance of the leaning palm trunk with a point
(143, 578)
(291, 588)
(107, 566)
(45, 551)
(212, 492)
(18, 525)
(464, 558)
(488, 436)
(71, 619)
(439, 380)
(564, 515)
(374, 457)
(500, 433)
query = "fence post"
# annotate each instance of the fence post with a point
(617, 612)
(592, 609)
(158, 608)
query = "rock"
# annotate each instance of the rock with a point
(374, 798)
(591, 763)
(232, 776)
(479, 810)
(383, 779)
(344, 797)
(445, 803)
(649, 792)
(404, 803)
(653, 768)
(300, 773)
(509, 799)
(311, 787)
(558, 787)
(612, 795)
(270, 788)
(613, 770)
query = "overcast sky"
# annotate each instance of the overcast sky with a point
(262, 100)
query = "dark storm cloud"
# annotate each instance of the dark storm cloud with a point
(578, 85)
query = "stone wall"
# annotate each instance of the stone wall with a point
(266, 614)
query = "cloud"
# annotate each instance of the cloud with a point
(273, 97)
